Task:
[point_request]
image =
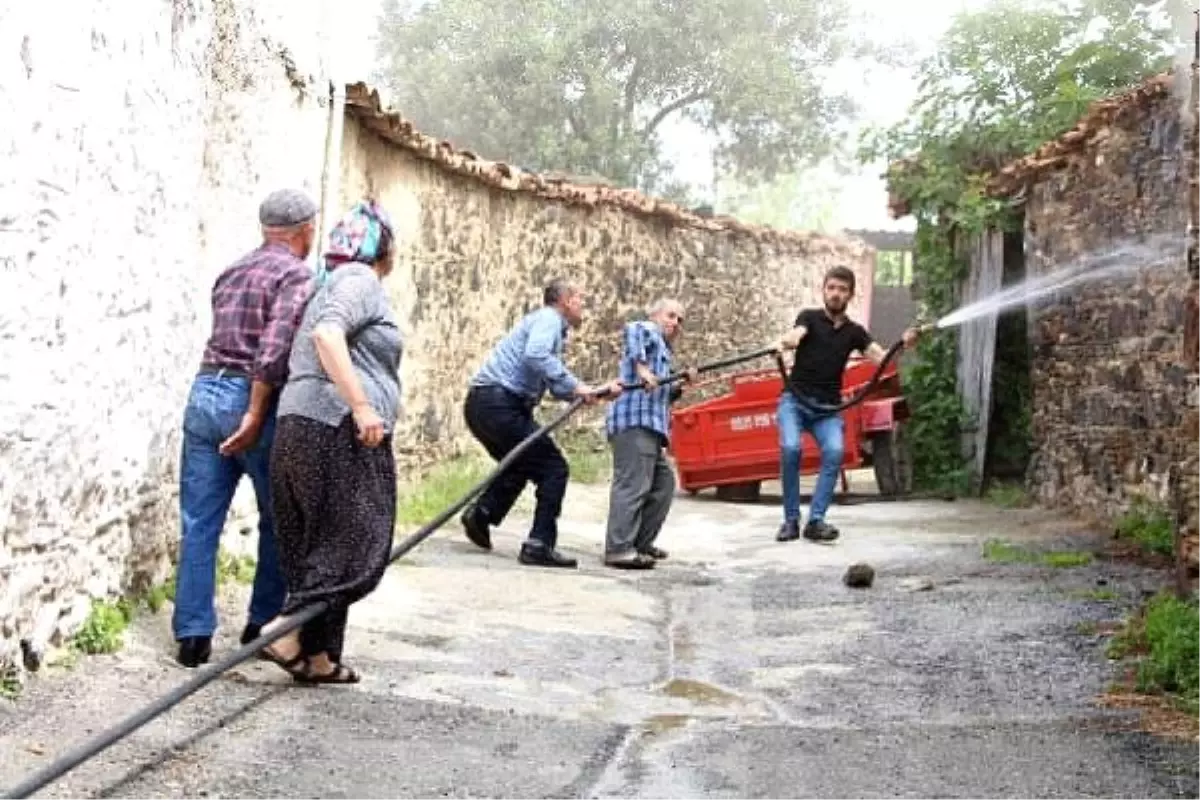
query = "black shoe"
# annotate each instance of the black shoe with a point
(251, 632)
(789, 531)
(476, 528)
(538, 556)
(194, 651)
(820, 532)
(654, 552)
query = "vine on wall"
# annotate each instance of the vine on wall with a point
(939, 418)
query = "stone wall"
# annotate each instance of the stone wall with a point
(1114, 398)
(480, 239)
(138, 139)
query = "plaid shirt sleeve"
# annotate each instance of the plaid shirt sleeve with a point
(291, 295)
(635, 345)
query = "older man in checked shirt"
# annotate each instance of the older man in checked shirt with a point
(229, 422)
(638, 428)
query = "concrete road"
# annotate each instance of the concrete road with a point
(740, 668)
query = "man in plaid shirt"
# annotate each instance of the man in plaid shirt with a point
(229, 422)
(638, 428)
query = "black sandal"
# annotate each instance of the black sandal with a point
(341, 674)
(296, 666)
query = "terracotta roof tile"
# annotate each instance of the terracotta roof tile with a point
(1091, 130)
(364, 103)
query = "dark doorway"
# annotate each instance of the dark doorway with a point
(1008, 444)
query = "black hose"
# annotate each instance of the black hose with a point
(206, 675)
(709, 367)
(820, 410)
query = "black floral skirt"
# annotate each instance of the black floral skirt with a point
(334, 500)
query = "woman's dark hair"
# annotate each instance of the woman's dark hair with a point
(386, 240)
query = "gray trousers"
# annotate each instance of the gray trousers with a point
(643, 486)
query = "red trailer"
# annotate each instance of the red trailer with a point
(731, 442)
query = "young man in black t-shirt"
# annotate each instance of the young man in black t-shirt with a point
(823, 339)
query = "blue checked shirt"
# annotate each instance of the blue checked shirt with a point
(638, 408)
(528, 361)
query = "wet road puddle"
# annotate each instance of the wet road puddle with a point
(664, 723)
(698, 692)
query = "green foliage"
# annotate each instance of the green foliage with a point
(103, 630)
(1165, 639)
(800, 200)
(1097, 595)
(587, 454)
(157, 596)
(585, 87)
(1066, 559)
(937, 416)
(1005, 553)
(239, 569)
(1016, 73)
(10, 681)
(1173, 639)
(1150, 525)
(443, 486)
(893, 268)
(1007, 495)
(1004, 79)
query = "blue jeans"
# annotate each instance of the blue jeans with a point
(793, 420)
(207, 482)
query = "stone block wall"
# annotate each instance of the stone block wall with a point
(479, 242)
(138, 139)
(1113, 387)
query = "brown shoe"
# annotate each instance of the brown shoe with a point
(655, 553)
(629, 561)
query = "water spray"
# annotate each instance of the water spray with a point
(1117, 263)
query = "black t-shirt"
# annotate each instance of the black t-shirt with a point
(822, 355)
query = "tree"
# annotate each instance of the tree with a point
(805, 200)
(1017, 73)
(586, 86)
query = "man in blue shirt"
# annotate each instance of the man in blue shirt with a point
(499, 412)
(638, 427)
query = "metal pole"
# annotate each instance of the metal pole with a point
(331, 172)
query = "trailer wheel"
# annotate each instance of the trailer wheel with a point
(740, 492)
(892, 461)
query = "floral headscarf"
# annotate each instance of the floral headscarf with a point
(359, 236)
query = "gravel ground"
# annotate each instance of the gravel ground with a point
(740, 668)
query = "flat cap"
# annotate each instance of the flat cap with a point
(285, 208)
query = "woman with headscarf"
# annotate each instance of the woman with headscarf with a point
(333, 477)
